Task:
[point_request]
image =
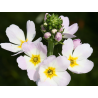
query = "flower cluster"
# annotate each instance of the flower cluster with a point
(41, 65)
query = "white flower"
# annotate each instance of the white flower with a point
(52, 72)
(35, 54)
(68, 30)
(78, 57)
(17, 38)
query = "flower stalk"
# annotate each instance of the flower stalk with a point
(50, 47)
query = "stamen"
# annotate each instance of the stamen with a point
(35, 59)
(50, 72)
(73, 61)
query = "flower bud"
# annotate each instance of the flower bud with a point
(45, 24)
(76, 42)
(61, 29)
(45, 16)
(47, 35)
(54, 31)
(58, 37)
(42, 28)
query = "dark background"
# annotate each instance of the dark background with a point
(12, 75)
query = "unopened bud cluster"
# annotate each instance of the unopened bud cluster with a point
(52, 27)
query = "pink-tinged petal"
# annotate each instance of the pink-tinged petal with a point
(62, 78)
(42, 28)
(42, 76)
(22, 63)
(38, 40)
(67, 48)
(29, 64)
(45, 17)
(67, 35)
(42, 50)
(46, 83)
(30, 30)
(84, 66)
(82, 51)
(61, 29)
(61, 63)
(58, 36)
(15, 34)
(40, 46)
(65, 21)
(76, 42)
(48, 61)
(33, 74)
(40, 83)
(73, 28)
(31, 48)
(10, 47)
(28, 48)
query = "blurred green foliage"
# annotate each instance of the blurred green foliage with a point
(12, 75)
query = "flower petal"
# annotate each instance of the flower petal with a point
(61, 63)
(67, 48)
(33, 74)
(43, 78)
(45, 17)
(83, 51)
(65, 21)
(84, 66)
(48, 61)
(73, 28)
(30, 30)
(29, 48)
(15, 34)
(10, 47)
(67, 35)
(42, 47)
(76, 42)
(41, 73)
(29, 64)
(21, 63)
(38, 40)
(47, 83)
(62, 78)
(40, 83)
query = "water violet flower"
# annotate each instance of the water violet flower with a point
(78, 58)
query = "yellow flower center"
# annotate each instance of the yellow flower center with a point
(73, 61)
(35, 59)
(50, 72)
(22, 43)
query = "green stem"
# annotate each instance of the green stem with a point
(50, 47)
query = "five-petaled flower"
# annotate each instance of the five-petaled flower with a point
(35, 54)
(52, 71)
(78, 57)
(17, 38)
